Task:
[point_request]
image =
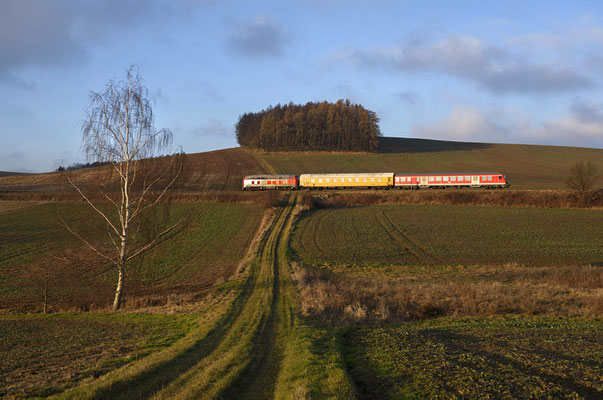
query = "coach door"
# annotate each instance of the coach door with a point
(423, 181)
(475, 180)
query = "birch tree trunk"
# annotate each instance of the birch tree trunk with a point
(118, 131)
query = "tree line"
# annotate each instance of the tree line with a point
(340, 126)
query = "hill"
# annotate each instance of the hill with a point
(6, 173)
(526, 166)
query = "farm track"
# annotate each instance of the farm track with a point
(240, 356)
(246, 362)
(405, 240)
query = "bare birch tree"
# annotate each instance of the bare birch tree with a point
(119, 130)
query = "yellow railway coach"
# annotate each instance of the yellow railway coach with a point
(351, 180)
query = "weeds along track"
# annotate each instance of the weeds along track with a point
(237, 356)
(405, 240)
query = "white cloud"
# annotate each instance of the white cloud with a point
(43, 33)
(465, 124)
(580, 125)
(493, 67)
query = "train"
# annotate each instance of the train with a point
(378, 180)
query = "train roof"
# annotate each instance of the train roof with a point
(350, 175)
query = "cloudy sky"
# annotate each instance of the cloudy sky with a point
(507, 71)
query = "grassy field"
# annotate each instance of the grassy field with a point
(478, 358)
(36, 252)
(362, 326)
(214, 170)
(44, 354)
(440, 301)
(526, 166)
(450, 235)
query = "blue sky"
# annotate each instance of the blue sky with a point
(506, 72)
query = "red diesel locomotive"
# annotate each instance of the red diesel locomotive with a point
(263, 182)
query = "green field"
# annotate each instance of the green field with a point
(526, 166)
(62, 349)
(35, 250)
(450, 235)
(478, 358)
(390, 301)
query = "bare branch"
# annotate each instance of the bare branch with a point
(92, 205)
(149, 245)
(66, 226)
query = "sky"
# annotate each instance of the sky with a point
(499, 72)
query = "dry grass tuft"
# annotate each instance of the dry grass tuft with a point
(337, 297)
(265, 199)
(516, 198)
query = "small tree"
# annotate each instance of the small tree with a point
(582, 178)
(119, 131)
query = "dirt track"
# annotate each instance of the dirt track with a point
(239, 357)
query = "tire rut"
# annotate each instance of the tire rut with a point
(406, 241)
(246, 362)
(258, 380)
(238, 356)
(227, 164)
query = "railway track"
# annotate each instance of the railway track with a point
(238, 356)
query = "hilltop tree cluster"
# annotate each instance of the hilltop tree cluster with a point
(340, 126)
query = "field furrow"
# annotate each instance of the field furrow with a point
(400, 238)
(412, 245)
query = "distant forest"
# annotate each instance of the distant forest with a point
(340, 126)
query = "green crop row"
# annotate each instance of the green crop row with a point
(66, 348)
(443, 234)
(478, 358)
(38, 254)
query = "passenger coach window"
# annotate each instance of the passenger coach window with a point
(438, 179)
(431, 179)
(489, 178)
(453, 178)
